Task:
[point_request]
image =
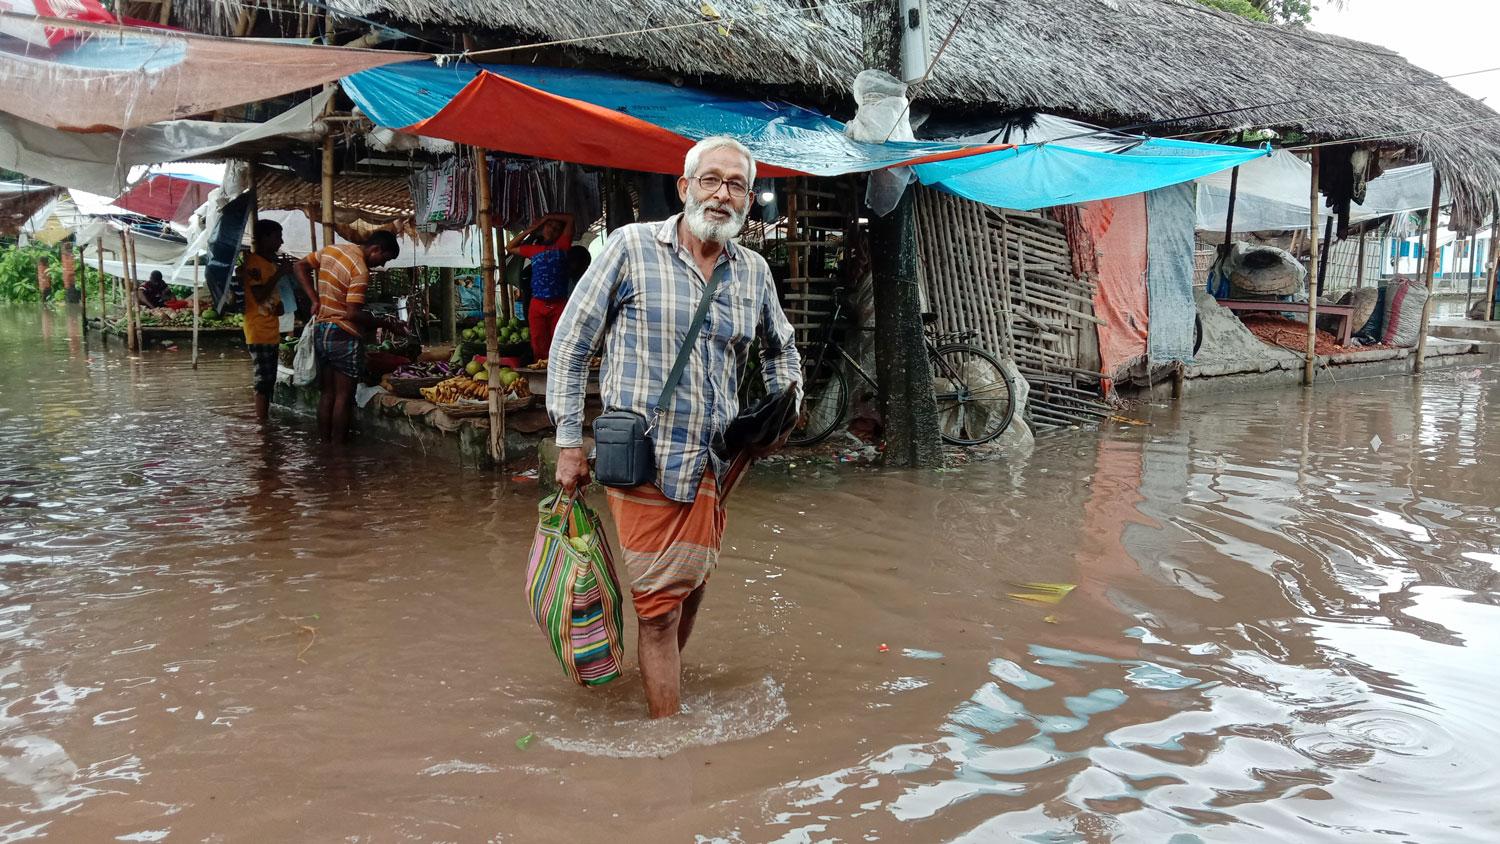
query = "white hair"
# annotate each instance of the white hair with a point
(695, 156)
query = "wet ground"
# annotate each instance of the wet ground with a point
(1283, 628)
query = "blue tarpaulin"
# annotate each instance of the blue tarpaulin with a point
(424, 98)
(409, 95)
(1042, 175)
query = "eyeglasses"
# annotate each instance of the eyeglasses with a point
(712, 183)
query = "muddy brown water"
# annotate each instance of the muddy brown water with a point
(1283, 628)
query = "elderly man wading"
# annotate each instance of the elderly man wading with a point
(638, 301)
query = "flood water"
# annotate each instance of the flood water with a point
(1283, 629)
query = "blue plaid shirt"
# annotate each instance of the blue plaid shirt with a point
(638, 298)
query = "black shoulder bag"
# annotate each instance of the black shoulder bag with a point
(623, 452)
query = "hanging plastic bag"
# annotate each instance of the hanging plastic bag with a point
(573, 593)
(305, 362)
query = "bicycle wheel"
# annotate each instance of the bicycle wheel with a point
(825, 397)
(975, 397)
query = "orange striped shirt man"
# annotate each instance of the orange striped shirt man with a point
(342, 279)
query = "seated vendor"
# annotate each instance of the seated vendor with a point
(546, 243)
(154, 293)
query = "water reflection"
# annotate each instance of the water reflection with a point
(1281, 625)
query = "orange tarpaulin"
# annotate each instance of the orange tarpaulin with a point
(1118, 229)
(572, 130)
(605, 120)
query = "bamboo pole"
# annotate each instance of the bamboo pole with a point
(81, 261)
(1431, 269)
(1234, 189)
(1492, 261)
(1310, 365)
(491, 330)
(128, 294)
(328, 189)
(1359, 269)
(195, 312)
(1473, 265)
(103, 287)
(135, 280)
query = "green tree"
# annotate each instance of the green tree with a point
(1290, 12)
(18, 273)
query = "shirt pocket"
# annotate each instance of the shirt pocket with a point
(734, 322)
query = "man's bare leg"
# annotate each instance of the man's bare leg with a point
(689, 615)
(661, 663)
(326, 386)
(343, 403)
(263, 406)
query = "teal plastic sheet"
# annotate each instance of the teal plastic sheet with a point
(1043, 175)
(401, 96)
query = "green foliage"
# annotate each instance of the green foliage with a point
(1243, 8)
(18, 273)
(1290, 12)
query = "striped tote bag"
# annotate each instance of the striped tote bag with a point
(572, 590)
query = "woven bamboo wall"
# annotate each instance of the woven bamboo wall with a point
(1009, 275)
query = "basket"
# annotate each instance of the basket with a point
(410, 388)
(467, 409)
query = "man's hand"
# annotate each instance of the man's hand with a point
(572, 470)
(774, 447)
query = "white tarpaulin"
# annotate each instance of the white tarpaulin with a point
(1273, 194)
(101, 163)
(457, 249)
(120, 78)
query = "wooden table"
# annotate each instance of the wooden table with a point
(1345, 313)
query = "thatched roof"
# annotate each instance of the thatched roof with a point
(1108, 61)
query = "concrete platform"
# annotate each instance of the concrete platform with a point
(1466, 329)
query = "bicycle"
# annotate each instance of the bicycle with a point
(975, 395)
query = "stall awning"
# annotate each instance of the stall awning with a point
(101, 162)
(1043, 175)
(118, 78)
(168, 196)
(606, 120)
(1272, 194)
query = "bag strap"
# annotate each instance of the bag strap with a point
(687, 345)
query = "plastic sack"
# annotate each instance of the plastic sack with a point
(572, 591)
(1404, 301)
(305, 362)
(884, 115)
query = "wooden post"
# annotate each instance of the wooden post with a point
(328, 189)
(195, 312)
(1234, 189)
(1473, 265)
(1431, 270)
(166, 13)
(103, 288)
(77, 288)
(1310, 366)
(1359, 269)
(491, 330)
(1492, 260)
(129, 291)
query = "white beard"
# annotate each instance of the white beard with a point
(707, 230)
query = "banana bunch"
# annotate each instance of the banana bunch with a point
(456, 389)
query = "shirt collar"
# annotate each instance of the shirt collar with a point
(666, 233)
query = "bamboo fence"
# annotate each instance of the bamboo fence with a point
(1009, 276)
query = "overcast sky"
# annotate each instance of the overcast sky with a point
(1443, 36)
